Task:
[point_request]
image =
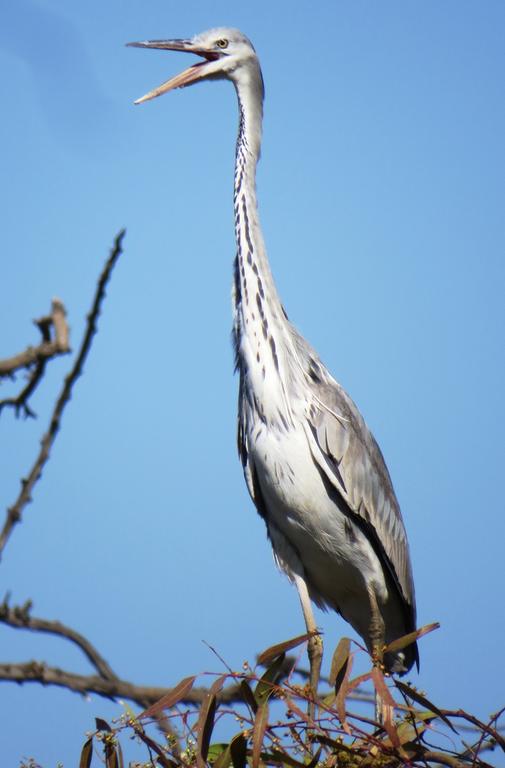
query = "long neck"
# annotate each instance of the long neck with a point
(260, 325)
(256, 277)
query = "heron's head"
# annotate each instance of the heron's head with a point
(226, 53)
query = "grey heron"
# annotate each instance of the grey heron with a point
(312, 467)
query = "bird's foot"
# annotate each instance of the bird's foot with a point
(378, 656)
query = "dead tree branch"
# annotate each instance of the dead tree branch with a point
(14, 513)
(36, 358)
(106, 683)
(112, 688)
(19, 617)
(143, 695)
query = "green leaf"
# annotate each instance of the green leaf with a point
(281, 757)
(407, 733)
(102, 725)
(343, 689)
(275, 650)
(260, 726)
(264, 688)
(424, 702)
(381, 687)
(223, 759)
(328, 701)
(120, 755)
(171, 698)
(340, 663)
(403, 642)
(86, 754)
(205, 726)
(248, 696)
(238, 751)
(111, 759)
(216, 751)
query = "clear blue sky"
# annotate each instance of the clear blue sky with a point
(382, 194)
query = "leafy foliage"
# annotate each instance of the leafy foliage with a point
(415, 733)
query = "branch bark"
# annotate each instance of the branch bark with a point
(37, 357)
(143, 695)
(106, 683)
(14, 513)
(19, 617)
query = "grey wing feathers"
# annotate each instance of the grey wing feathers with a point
(350, 458)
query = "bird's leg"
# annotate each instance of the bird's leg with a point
(315, 644)
(377, 638)
(376, 629)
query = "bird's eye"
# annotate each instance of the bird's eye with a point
(222, 43)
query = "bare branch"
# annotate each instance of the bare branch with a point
(143, 695)
(107, 683)
(443, 758)
(14, 512)
(19, 617)
(37, 357)
(48, 348)
(484, 727)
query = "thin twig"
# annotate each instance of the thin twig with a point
(14, 512)
(443, 759)
(493, 732)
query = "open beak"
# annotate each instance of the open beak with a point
(189, 76)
